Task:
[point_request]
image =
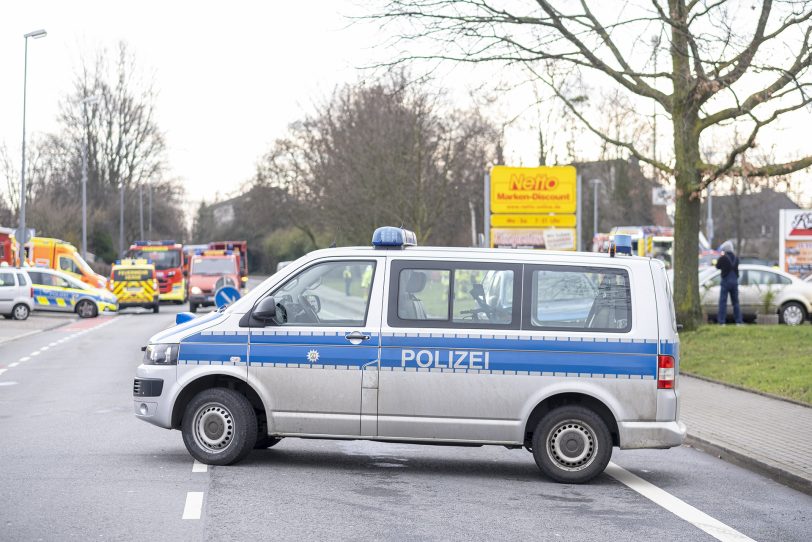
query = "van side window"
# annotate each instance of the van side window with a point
(579, 298)
(7, 279)
(423, 294)
(67, 264)
(453, 294)
(326, 294)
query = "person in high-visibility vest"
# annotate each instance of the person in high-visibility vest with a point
(366, 278)
(347, 280)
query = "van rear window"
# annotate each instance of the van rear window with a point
(579, 298)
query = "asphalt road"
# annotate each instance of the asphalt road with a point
(76, 464)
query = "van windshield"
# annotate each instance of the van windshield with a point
(163, 259)
(213, 266)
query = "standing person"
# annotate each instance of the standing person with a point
(347, 280)
(728, 264)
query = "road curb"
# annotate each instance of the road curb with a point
(35, 331)
(777, 474)
(748, 390)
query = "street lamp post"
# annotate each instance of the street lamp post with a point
(88, 100)
(36, 34)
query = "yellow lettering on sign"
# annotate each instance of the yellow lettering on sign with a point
(536, 221)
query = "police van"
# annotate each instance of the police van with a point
(565, 354)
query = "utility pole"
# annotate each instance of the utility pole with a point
(88, 100)
(149, 212)
(140, 211)
(709, 220)
(121, 221)
(595, 187)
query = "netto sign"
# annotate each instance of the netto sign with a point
(550, 189)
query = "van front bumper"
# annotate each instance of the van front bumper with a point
(651, 434)
(153, 389)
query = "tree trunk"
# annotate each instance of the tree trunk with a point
(685, 115)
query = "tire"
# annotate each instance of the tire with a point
(192, 307)
(265, 441)
(589, 438)
(792, 313)
(87, 309)
(156, 308)
(230, 427)
(20, 311)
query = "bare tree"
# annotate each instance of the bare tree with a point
(383, 153)
(726, 67)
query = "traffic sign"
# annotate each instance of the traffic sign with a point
(226, 295)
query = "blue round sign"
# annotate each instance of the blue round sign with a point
(226, 296)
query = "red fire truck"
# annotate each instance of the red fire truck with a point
(169, 260)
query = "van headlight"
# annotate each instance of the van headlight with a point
(196, 290)
(161, 354)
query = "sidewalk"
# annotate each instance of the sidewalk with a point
(13, 329)
(768, 435)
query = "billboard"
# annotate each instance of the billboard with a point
(548, 189)
(795, 244)
(536, 238)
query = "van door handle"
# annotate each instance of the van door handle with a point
(356, 336)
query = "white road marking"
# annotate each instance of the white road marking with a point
(3, 371)
(25, 358)
(10, 365)
(194, 505)
(676, 506)
(35, 353)
(199, 467)
(53, 344)
(44, 348)
(9, 383)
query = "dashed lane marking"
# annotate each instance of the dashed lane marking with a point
(194, 505)
(35, 353)
(676, 506)
(10, 365)
(3, 371)
(25, 358)
(199, 467)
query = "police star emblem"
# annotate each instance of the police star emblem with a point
(313, 356)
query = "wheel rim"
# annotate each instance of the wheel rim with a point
(213, 427)
(21, 312)
(571, 445)
(793, 315)
(85, 309)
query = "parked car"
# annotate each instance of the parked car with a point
(792, 301)
(16, 294)
(57, 291)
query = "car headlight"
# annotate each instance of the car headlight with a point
(196, 290)
(161, 354)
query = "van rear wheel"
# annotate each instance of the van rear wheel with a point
(219, 426)
(572, 445)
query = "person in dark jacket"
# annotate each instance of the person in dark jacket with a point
(728, 264)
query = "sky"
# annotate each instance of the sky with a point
(231, 76)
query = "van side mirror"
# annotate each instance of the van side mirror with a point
(265, 310)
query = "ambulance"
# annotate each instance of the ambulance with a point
(8, 247)
(134, 283)
(60, 255)
(168, 257)
(567, 355)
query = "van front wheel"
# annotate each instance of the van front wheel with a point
(572, 445)
(219, 426)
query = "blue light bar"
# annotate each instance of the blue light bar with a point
(389, 236)
(621, 244)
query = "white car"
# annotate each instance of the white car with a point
(16, 294)
(792, 296)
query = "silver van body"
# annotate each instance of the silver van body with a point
(404, 368)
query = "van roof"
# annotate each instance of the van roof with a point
(529, 255)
